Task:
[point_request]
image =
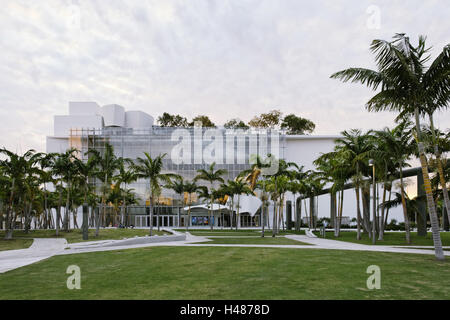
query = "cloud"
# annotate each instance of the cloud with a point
(197, 57)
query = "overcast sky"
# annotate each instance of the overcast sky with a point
(221, 58)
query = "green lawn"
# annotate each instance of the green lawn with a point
(390, 238)
(259, 240)
(77, 236)
(230, 273)
(15, 244)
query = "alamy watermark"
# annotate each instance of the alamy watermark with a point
(74, 280)
(374, 280)
(374, 19)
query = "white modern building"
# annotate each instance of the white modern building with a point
(89, 125)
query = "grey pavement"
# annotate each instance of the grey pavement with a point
(41, 248)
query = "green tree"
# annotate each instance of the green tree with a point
(106, 164)
(297, 125)
(211, 176)
(408, 88)
(150, 168)
(236, 124)
(169, 120)
(268, 120)
(204, 120)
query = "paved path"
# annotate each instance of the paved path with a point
(39, 250)
(321, 243)
(45, 248)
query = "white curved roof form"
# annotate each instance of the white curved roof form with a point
(138, 119)
(113, 115)
(248, 204)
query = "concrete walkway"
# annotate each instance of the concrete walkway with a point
(46, 248)
(321, 243)
(40, 249)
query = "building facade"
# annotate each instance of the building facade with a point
(131, 133)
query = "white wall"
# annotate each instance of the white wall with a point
(57, 144)
(85, 108)
(63, 124)
(303, 150)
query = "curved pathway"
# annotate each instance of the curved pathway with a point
(41, 248)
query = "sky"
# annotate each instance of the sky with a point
(225, 59)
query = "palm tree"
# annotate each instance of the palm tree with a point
(334, 168)
(125, 175)
(190, 188)
(238, 187)
(355, 147)
(211, 175)
(45, 164)
(396, 146)
(263, 186)
(85, 170)
(438, 140)
(408, 88)
(15, 170)
(178, 186)
(228, 192)
(150, 168)
(106, 164)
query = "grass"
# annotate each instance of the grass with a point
(77, 235)
(259, 240)
(390, 238)
(230, 273)
(15, 244)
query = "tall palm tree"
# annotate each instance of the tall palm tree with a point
(178, 186)
(15, 169)
(150, 168)
(125, 175)
(397, 147)
(106, 164)
(238, 187)
(263, 186)
(85, 170)
(355, 147)
(408, 88)
(190, 187)
(211, 175)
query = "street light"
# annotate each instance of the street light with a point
(374, 208)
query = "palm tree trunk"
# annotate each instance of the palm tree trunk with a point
(405, 211)
(66, 211)
(440, 168)
(263, 211)
(381, 234)
(151, 210)
(274, 220)
(58, 212)
(97, 215)
(210, 215)
(387, 210)
(358, 215)
(238, 220)
(439, 252)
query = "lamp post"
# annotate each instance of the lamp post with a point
(374, 206)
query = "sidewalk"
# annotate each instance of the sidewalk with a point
(40, 249)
